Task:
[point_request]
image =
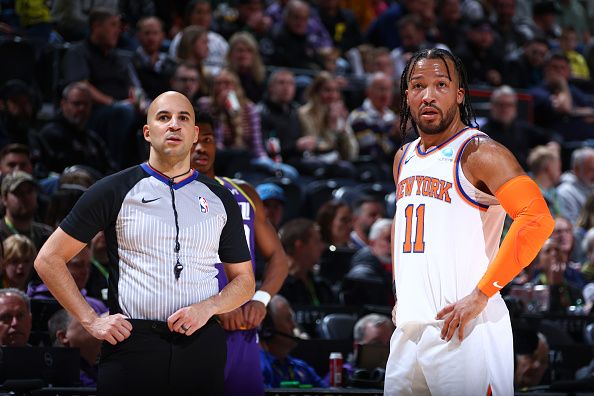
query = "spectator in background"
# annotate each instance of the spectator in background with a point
(274, 201)
(15, 157)
(323, 117)
(544, 21)
(186, 80)
(244, 59)
(336, 223)
(288, 44)
(525, 69)
(237, 124)
(573, 15)
(249, 16)
(569, 45)
(509, 25)
(564, 235)
(366, 211)
(153, 67)
(61, 203)
(587, 242)
(17, 264)
(68, 139)
(80, 268)
(19, 197)
(505, 126)
(532, 356)
(95, 62)
(280, 121)
(374, 124)
(369, 280)
(316, 32)
(576, 184)
(303, 244)
(482, 54)
(450, 24)
(560, 105)
(15, 318)
(199, 13)
(97, 283)
(66, 331)
(544, 164)
(193, 49)
(340, 24)
(18, 108)
(278, 339)
(381, 61)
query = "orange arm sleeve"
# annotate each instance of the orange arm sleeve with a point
(532, 225)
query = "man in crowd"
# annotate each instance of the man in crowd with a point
(15, 157)
(576, 184)
(366, 211)
(15, 318)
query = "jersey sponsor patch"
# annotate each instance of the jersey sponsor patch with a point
(203, 204)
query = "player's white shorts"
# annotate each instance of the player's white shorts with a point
(421, 363)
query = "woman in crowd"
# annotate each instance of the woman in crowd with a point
(17, 265)
(193, 49)
(336, 223)
(244, 59)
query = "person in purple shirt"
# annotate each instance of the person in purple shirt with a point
(242, 371)
(80, 268)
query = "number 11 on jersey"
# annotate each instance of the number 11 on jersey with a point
(419, 244)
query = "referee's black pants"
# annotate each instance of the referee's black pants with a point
(155, 361)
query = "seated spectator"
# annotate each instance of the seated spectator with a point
(576, 184)
(281, 129)
(193, 49)
(199, 13)
(274, 200)
(577, 63)
(17, 264)
(366, 211)
(68, 140)
(97, 283)
(563, 233)
(510, 25)
(588, 248)
(277, 337)
(505, 126)
(544, 21)
(316, 32)
(61, 203)
(18, 107)
(340, 24)
(15, 157)
(336, 223)
(66, 331)
(80, 269)
(369, 281)
(303, 244)
(247, 15)
(544, 164)
(186, 80)
(531, 357)
(450, 24)
(525, 69)
(19, 197)
(288, 44)
(153, 67)
(237, 123)
(244, 59)
(323, 117)
(15, 318)
(95, 62)
(373, 124)
(565, 282)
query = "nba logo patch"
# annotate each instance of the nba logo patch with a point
(203, 204)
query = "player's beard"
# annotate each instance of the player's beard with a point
(436, 129)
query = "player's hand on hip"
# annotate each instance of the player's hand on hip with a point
(253, 312)
(233, 320)
(458, 314)
(111, 328)
(189, 319)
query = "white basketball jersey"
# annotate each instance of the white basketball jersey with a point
(446, 230)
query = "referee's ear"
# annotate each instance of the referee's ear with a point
(197, 130)
(146, 134)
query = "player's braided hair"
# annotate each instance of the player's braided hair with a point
(466, 112)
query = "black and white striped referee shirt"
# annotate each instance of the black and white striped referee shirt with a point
(134, 208)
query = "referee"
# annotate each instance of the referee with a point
(165, 227)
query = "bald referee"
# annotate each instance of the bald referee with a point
(166, 227)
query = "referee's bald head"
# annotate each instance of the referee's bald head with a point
(166, 97)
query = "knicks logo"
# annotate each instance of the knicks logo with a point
(203, 204)
(425, 186)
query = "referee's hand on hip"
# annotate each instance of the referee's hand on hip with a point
(111, 328)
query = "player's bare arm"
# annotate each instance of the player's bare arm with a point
(493, 169)
(277, 263)
(397, 158)
(51, 267)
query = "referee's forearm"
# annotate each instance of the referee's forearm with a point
(239, 290)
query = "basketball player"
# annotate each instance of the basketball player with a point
(454, 186)
(243, 375)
